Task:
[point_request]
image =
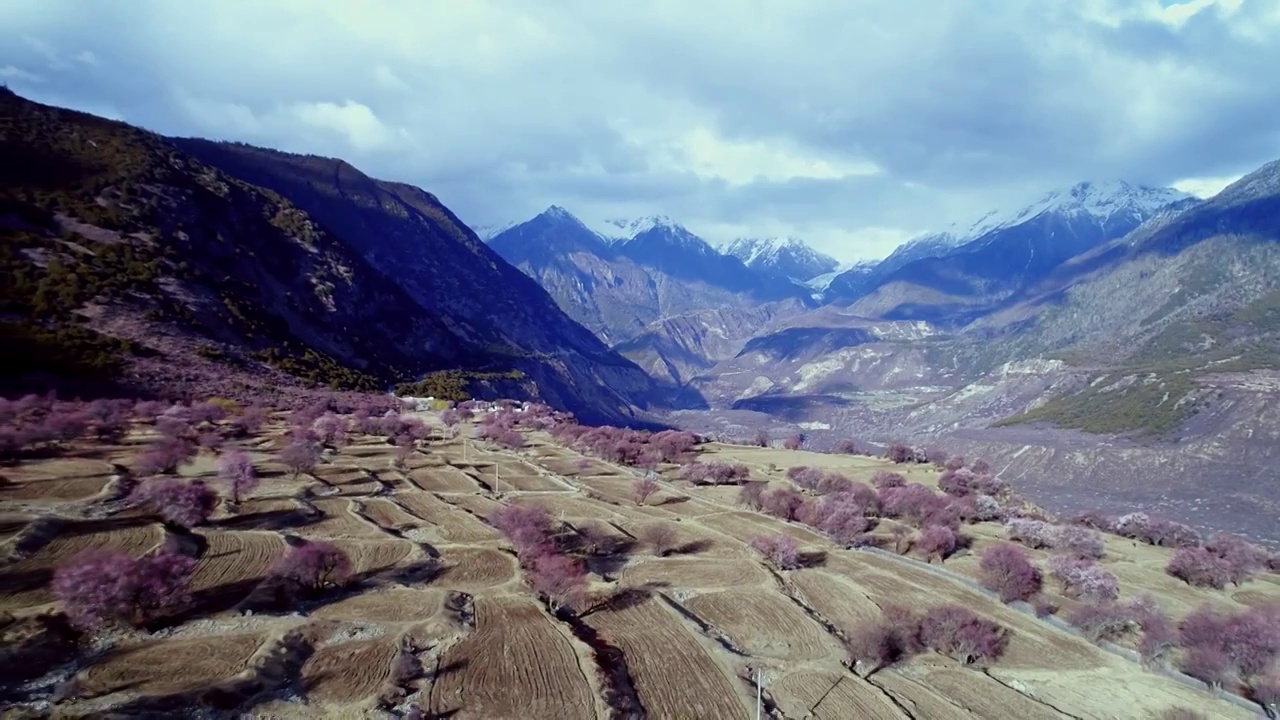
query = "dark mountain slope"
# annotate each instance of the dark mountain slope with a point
(127, 257)
(101, 217)
(407, 234)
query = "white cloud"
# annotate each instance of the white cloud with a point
(739, 163)
(1204, 187)
(353, 120)
(10, 73)
(846, 122)
(387, 78)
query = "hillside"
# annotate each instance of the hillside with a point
(471, 578)
(173, 263)
(644, 271)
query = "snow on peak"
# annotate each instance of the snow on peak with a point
(1101, 200)
(754, 250)
(632, 228)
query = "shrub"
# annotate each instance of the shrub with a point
(779, 550)
(953, 463)
(957, 483)
(1248, 643)
(313, 567)
(761, 439)
(750, 492)
(845, 526)
(207, 412)
(894, 637)
(917, 504)
(1094, 519)
(901, 535)
(659, 536)
(1104, 620)
(1005, 569)
(980, 467)
(236, 469)
(714, 473)
(962, 634)
(330, 430)
(673, 446)
(1032, 533)
(1241, 558)
(1082, 578)
(781, 503)
(884, 479)
(847, 446)
(1133, 525)
(528, 527)
(188, 504)
(1200, 567)
(900, 453)
(558, 579)
(642, 488)
(164, 456)
(793, 442)
(1207, 664)
(937, 541)
(249, 422)
(1081, 541)
(100, 586)
(300, 456)
(1266, 692)
(1159, 638)
(1167, 533)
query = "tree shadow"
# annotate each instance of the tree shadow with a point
(674, 500)
(693, 547)
(624, 598)
(812, 558)
(272, 520)
(15, 582)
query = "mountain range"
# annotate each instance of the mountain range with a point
(642, 271)
(1108, 339)
(1108, 336)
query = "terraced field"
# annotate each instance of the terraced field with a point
(441, 617)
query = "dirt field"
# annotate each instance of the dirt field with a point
(516, 664)
(348, 673)
(674, 675)
(169, 666)
(685, 638)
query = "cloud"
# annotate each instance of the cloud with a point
(850, 123)
(1204, 187)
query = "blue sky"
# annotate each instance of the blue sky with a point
(854, 125)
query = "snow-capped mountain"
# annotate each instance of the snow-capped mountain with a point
(617, 277)
(784, 257)
(1112, 202)
(1003, 250)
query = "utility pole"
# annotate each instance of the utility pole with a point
(759, 704)
(759, 683)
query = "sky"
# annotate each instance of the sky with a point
(852, 124)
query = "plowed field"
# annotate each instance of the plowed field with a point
(514, 665)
